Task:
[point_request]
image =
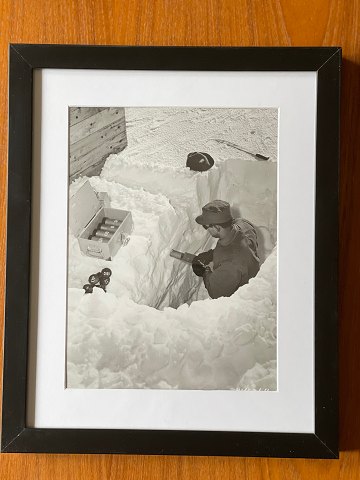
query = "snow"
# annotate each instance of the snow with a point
(166, 135)
(156, 326)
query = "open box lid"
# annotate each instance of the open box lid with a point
(83, 205)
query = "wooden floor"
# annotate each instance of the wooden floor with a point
(210, 22)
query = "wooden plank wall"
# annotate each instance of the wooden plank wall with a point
(216, 23)
(94, 133)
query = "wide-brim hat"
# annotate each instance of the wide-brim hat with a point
(199, 161)
(214, 213)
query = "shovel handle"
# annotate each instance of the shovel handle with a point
(261, 157)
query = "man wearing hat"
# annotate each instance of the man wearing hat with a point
(235, 257)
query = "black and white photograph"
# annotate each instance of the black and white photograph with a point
(172, 237)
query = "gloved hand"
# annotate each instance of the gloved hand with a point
(204, 257)
(198, 268)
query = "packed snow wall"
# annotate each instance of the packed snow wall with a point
(156, 327)
(251, 189)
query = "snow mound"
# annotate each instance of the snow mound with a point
(260, 377)
(211, 344)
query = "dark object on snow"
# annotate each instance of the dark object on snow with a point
(199, 161)
(99, 279)
(233, 145)
(104, 281)
(88, 288)
(94, 278)
(106, 272)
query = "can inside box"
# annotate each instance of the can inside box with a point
(87, 213)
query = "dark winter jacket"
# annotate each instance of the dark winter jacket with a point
(234, 263)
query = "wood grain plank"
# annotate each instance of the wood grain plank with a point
(210, 22)
(92, 163)
(96, 121)
(92, 160)
(79, 114)
(94, 138)
(89, 143)
(4, 29)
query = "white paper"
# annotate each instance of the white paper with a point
(291, 408)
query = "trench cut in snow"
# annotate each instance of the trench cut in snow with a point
(156, 326)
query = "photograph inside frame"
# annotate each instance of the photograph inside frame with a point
(172, 264)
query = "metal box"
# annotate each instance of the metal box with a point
(87, 210)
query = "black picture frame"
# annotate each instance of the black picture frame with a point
(16, 435)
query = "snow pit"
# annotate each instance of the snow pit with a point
(156, 326)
